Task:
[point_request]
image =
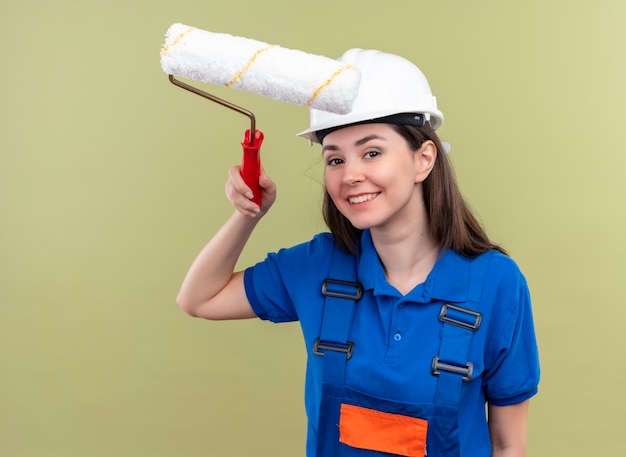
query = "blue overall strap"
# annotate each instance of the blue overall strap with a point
(341, 294)
(459, 324)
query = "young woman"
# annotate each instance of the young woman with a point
(413, 319)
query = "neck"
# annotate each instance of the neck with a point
(408, 255)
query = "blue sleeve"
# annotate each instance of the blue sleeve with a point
(267, 292)
(281, 285)
(512, 358)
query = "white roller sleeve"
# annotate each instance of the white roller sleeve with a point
(272, 71)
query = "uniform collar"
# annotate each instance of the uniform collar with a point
(448, 280)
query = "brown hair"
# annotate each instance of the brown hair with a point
(450, 219)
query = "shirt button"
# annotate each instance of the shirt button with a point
(397, 336)
(401, 305)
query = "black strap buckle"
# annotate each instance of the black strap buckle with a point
(457, 316)
(342, 289)
(321, 346)
(466, 370)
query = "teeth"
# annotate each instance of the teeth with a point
(362, 198)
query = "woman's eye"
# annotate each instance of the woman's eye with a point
(334, 161)
(372, 153)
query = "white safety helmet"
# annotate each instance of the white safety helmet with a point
(389, 85)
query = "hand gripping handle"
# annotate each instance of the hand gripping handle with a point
(251, 163)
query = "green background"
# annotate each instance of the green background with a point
(111, 180)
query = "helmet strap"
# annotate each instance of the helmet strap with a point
(414, 119)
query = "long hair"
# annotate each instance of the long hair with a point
(450, 219)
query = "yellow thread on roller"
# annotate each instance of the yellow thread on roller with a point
(164, 49)
(326, 84)
(238, 76)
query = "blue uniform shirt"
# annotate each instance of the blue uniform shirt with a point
(397, 336)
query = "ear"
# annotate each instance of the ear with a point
(425, 158)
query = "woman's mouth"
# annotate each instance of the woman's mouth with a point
(362, 198)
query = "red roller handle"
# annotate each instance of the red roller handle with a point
(251, 163)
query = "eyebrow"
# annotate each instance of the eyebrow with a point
(361, 142)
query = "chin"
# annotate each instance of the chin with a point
(361, 224)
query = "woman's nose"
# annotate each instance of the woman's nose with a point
(352, 172)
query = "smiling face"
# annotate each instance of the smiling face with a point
(374, 177)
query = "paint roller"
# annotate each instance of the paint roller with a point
(272, 71)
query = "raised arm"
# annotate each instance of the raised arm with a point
(212, 289)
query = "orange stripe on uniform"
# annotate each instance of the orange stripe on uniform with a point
(373, 430)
